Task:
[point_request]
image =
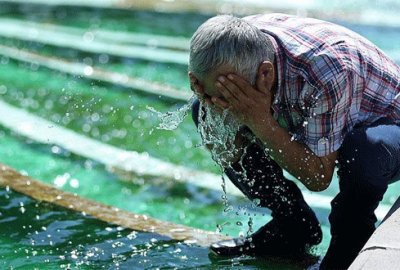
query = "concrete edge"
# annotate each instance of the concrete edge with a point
(382, 251)
(10, 178)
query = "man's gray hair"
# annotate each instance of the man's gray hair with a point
(229, 41)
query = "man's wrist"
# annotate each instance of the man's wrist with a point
(266, 129)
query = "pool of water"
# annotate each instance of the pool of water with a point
(45, 236)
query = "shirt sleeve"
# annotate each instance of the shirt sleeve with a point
(326, 105)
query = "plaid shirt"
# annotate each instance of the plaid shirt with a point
(330, 79)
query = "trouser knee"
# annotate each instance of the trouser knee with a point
(370, 154)
(369, 160)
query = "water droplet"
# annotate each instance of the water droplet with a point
(228, 209)
(323, 141)
(3, 89)
(257, 201)
(74, 183)
(104, 58)
(88, 37)
(88, 70)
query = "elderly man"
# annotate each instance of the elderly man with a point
(309, 96)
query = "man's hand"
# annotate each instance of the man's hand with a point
(251, 106)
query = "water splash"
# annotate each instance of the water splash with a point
(171, 120)
(250, 224)
(218, 133)
(217, 130)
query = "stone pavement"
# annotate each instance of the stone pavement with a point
(382, 251)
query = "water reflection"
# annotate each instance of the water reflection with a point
(50, 236)
(47, 236)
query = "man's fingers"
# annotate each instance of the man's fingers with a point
(230, 90)
(227, 95)
(243, 85)
(208, 101)
(220, 103)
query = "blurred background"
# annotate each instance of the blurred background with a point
(77, 79)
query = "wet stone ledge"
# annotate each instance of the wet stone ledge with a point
(10, 178)
(382, 251)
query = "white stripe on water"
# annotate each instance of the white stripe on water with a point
(96, 73)
(87, 42)
(150, 40)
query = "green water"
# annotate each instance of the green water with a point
(45, 236)
(39, 235)
(116, 116)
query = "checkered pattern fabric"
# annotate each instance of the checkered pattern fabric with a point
(330, 79)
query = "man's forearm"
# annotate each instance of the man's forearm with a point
(295, 157)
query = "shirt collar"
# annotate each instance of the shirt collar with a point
(279, 64)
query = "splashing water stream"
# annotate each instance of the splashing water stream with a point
(218, 130)
(218, 133)
(171, 120)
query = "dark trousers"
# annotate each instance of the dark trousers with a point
(369, 160)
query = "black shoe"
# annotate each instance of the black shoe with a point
(272, 239)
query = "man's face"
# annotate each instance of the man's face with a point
(219, 129)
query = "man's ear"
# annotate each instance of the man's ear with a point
(267, 71)
(192, 78)
(195, 84)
